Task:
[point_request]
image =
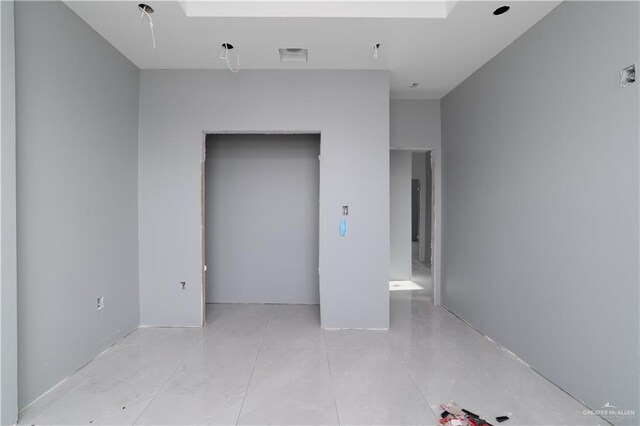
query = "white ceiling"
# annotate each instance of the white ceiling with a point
(439, 53)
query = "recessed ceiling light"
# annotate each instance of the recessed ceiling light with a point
(414, 85)
(501, 10)
(294, 54)
(145, 8)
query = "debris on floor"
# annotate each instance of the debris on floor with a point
(453, 415)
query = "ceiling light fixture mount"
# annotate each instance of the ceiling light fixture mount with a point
(414, 85)
(145, 8)
(224, 55)
(501, 10)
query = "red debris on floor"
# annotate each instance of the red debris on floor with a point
(453, 415)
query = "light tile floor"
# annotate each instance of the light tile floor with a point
(272, 364)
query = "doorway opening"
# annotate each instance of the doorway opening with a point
(261, 218)
(412, 223)
(422, 212)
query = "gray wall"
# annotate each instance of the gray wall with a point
(261, 218)
(540, 152)
(400, 216)
(77, 126)
(8, 262)
(351, 111)
(415, 125)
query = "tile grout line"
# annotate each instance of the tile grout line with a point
(413, 380)
(246, 391)
(189, 351)
(333, 389)
(175, 370)
(255, 362)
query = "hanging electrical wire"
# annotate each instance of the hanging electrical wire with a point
(224, 55)
(376, 48)
(147, 10)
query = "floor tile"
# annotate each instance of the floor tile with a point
(178, 337)
(116, 387)
(290, 386)
(238, 325)
(370, 339)
(373, 388)
(208, 388)
(433, 329)
(490, 382)
(294, 326)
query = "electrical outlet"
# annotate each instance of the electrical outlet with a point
(183, 285)
(100, 302)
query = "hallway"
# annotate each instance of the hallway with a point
(421, 275)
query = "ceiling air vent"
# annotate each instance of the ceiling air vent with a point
(293, 54)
